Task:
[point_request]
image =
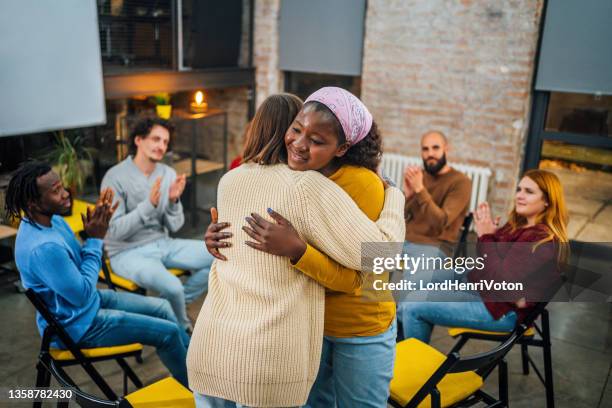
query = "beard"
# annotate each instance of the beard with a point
(434, 168)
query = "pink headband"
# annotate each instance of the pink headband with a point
(353, 115)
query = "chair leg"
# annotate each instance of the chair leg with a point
(525, 358)
(129, 373)
(503, 381)
(459, 345)
(548, 371)
(43, 380)
(97, 378)
(435, 398)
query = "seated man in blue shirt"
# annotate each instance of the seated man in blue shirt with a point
(64, 273)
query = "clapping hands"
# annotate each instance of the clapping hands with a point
(483, 220)
(96, 221)
(413, 180)
(177, 187)
(174, 192)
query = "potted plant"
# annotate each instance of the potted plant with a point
(72, 160)
(163, 107)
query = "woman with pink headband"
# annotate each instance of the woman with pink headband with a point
(334, 134)
(258, 339)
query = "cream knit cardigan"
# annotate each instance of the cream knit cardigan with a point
(258, 337)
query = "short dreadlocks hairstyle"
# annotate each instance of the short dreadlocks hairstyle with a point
(22, 188)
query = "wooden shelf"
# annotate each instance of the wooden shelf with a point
(202, 166)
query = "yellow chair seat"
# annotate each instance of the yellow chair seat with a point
(415, 362)
(164, 393)
(177, 272)
(458, 331)
(74, 221)
(64, 355)
(128, 284)
(120, 281)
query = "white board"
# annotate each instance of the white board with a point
(50, 66)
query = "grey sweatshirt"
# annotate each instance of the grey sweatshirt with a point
(136, 221)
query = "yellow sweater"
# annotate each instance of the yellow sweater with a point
(348, 311)
(258, 337)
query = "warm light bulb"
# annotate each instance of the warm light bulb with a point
(199, 97)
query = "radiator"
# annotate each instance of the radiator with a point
(393, 167)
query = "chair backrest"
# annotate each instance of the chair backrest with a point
(53, 328)
(460, 249)
(393, 166)
(484, 363)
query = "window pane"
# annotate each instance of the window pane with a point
(135, 34)
(586, 176)
(216, 33)
(579, 113)
(303, 84)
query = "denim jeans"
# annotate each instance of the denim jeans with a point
(355, 372)
(147, 267)
(417, 319)
(415, 250)
(204, 401)
(126, 318)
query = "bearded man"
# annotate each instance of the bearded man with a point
(437, 197)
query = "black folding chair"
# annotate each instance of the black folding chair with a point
(529, 338)
(166, 393)
(452, 381)
(74, 355)
(461, 248)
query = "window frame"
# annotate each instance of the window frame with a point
(538, 133)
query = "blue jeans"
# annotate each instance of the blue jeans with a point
(126, 318)
(204, 401)
(414, 250)
(355, 372)
(147, 267)
(417, 319)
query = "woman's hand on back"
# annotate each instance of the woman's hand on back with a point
(213, 236)
(278, 238)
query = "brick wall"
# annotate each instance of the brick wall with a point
(464, 67)
(268, 77)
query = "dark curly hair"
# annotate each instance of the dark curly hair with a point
(143, 127)
(367, 153)
(23, 189)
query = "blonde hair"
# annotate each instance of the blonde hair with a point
(554, 216)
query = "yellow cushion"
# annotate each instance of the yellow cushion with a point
(415, 362)
(164, 393)
(63, 355)
(128, 284)
(457, 331)
(177, 272)
(74, 221)
(120, 282)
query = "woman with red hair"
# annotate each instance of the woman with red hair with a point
(526, 249)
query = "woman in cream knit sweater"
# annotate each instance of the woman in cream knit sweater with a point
(258, 337)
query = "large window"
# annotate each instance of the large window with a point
(579, 113)
(146, 35)
(136, 34)
(571, 135)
